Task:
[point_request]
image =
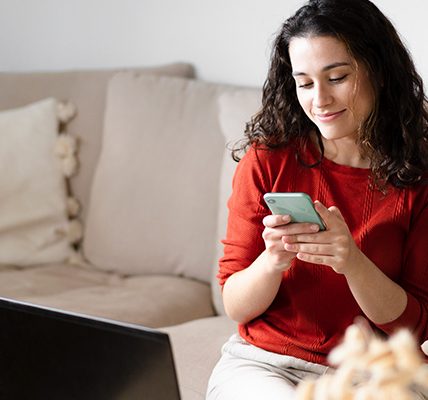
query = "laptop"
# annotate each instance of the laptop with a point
(51, 354)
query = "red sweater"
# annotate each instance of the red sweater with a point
(314, 305)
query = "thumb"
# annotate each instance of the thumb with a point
(328, 214)
(335, 211)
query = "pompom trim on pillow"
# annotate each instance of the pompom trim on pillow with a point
(75, 231)
(77, 259)
(66, 150)
(65, 111)
(69, 166)
(65, 146)
(73, 207)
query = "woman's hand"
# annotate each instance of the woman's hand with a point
(334, 247)
(249, 292)
(277, 228)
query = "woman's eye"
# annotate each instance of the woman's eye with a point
(307, 85)
(339, 79)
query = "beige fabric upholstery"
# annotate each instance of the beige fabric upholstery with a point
(197, 347)
(154, 211)
(154, 199)
(48, 280)
(235, 109)
(150, 300)
(86, 89)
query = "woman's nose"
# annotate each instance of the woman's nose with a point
(322, 97)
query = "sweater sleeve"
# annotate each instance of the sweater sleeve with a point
(414, 279)
(243, 242)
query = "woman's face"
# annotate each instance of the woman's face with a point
(333, 89)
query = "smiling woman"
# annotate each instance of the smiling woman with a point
(393, 136)
(344, 120)
(335, 93)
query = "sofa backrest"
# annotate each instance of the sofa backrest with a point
(199, 162)
(87, 91)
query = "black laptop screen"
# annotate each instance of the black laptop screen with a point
(47, 354)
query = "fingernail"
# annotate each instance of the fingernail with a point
(315, 228)
(286, 218)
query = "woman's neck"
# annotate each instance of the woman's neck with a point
(345, 151)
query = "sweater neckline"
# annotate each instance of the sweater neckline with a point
(335, 167)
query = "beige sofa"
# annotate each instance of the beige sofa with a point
(153, 179)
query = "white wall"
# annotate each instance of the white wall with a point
(227, 40)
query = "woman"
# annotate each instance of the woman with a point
(344, 120)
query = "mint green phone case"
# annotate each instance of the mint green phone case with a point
(298, 206)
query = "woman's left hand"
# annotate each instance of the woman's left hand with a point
(334, 247)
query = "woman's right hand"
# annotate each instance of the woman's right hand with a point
(277, 229)
(249, 292)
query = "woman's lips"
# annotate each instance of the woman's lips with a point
(328, 117)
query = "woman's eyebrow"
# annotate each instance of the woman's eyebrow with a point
(326, 68)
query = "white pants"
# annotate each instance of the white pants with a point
(248, 372)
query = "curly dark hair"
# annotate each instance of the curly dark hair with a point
(395, 135)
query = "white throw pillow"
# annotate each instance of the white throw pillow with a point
(33, 200)
(153, 205)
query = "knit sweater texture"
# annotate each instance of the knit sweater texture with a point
(314, 304)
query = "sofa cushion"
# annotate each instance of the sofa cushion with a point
(85, 89)
(235, 109)
(49, 280)
(152, 301)
(33, 200)
(196, 347)
(154, 199)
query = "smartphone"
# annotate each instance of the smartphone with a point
(298, 206)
